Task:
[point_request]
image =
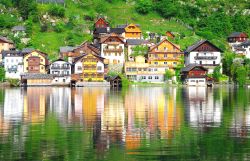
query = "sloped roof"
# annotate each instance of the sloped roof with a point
(245, 43)
(37, 76)
(64, 49)
(82, 56)
(156, 45)
(102, 19)
(125, 25)
(14, 53)
(135, 41)
(27, 50)
(18, 28)
(110, 30)
(105, 37)
(191, 66)
(5, 39)
(197, 44)
(237, 34)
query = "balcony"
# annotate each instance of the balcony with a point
(165, 58)
(205, 57)
(113, 50)
(60, 67)
(60, 75)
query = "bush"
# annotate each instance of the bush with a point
(57, 11)
(2, 74)
(44, 27)
(216, 73)
(59, 27)
(144, 6)
(168, 74)
(241, 75)
(14, 82)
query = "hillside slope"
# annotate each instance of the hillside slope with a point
(49, 30)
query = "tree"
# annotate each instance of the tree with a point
(237, 63)
(241, 75)
(216, 73)
(2, 74)
(144, 6)
(139, 50)
(26, 8)
(57, 11)
(168, 74)
(227, 62)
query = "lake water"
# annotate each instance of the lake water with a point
(136, 123)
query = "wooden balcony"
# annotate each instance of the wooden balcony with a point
(205, 57)
(164, 58)
(113, 50)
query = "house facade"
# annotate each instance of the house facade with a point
(5, 45)
(35, 62)
(194, 75)
(89, 67)
(140, 71)
(237, 37)
(101, 23)
(204, 53)
(131, 44)
(61, 70)
(13, 64)
(165, 54)
(112, 49)
(243, 49)
(133, 31)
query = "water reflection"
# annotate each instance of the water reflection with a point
(100, 123)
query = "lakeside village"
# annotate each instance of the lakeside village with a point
(113, 51)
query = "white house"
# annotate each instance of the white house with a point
(204, 53)
(236, 38)
(13, 64)
(112, 49)
(244, 49)
(61, 70)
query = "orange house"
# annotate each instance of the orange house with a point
(133, 31)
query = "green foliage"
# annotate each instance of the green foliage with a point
(112, 73)
(144, 6)
(2, 74)
(7, 20)
(14, 82)
(44, 27)
(26, 8)
(59, 27)
(227, 62)
(57, 11)
(216, 73)
(168, 74)
(139, 50)
(237, 63)
(241, 74)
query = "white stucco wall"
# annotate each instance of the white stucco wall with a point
(113, 55)
(13, 62)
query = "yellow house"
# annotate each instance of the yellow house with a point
(133, 31)
(91, 66)
(35, 62)
(165, 54)
(141, 71)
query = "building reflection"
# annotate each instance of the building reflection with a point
(204, 106)
(36, 101)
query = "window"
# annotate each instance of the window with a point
(200, 62)
(174, 63)
(156, 77)
(79, 68)
(165, 55)
(149, 77)
(201, 80)
(156, 56)
(155, 63)
(165, 62)
(155, 69)
(192, 80)
(99, 68)
(214, 62)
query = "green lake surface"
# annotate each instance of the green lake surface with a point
(135, 123)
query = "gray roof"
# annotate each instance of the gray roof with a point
(37, 76)
(27, 50)
(5, 39)
(236, 34)
(245, 43)
(18, 28)
(125, 25)
(135, 41)
(190, 67)
(197, 44)
(112, 30)
(64, 49)
(12, 53)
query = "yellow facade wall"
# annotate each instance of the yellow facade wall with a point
(42, 63)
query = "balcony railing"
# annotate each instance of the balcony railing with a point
(60, 75)
(113, 50)
(164, 58)
(60, 67)
(205, 57)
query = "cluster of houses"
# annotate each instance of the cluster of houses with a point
(113, 50)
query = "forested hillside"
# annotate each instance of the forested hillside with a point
(51, 25)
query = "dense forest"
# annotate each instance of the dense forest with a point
(51, 25)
